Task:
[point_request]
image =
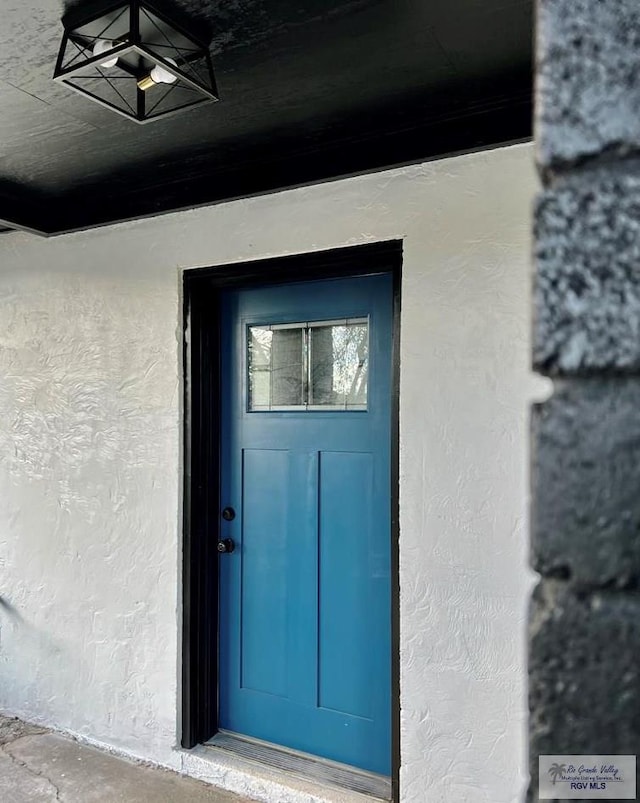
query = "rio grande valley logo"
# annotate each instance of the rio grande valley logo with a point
(587, 777)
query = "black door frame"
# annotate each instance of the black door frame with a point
(201, 504)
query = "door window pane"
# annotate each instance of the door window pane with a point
(339, 356)
(276, 367)
(321, 365)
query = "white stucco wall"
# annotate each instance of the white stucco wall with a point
(90, 483)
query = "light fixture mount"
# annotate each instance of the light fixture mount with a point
(135, 59)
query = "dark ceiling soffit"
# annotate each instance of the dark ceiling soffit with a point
(27, 211)
(10, 222)
(491, 129)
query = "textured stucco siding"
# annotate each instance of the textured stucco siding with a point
(90, 463)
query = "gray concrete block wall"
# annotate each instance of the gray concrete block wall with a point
(587, 80)
(584, 684)
(587, 289)
(585, 478)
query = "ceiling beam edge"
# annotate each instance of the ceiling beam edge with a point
(482, 130)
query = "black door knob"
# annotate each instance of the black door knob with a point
(226, 545)
(228, 514)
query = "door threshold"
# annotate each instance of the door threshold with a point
(304, 765)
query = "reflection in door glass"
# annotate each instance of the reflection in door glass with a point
(321, 365)
(276, 367)
(339, 356)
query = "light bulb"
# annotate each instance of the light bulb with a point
(158, 75)
(101, 46)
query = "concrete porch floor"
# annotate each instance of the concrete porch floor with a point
(38, 765)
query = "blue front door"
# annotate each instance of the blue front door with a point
(305, 606)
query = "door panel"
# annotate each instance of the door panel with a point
(305, 604)
(345, 583)
(265, 589)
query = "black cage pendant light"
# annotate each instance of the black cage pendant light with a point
(134, 59)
